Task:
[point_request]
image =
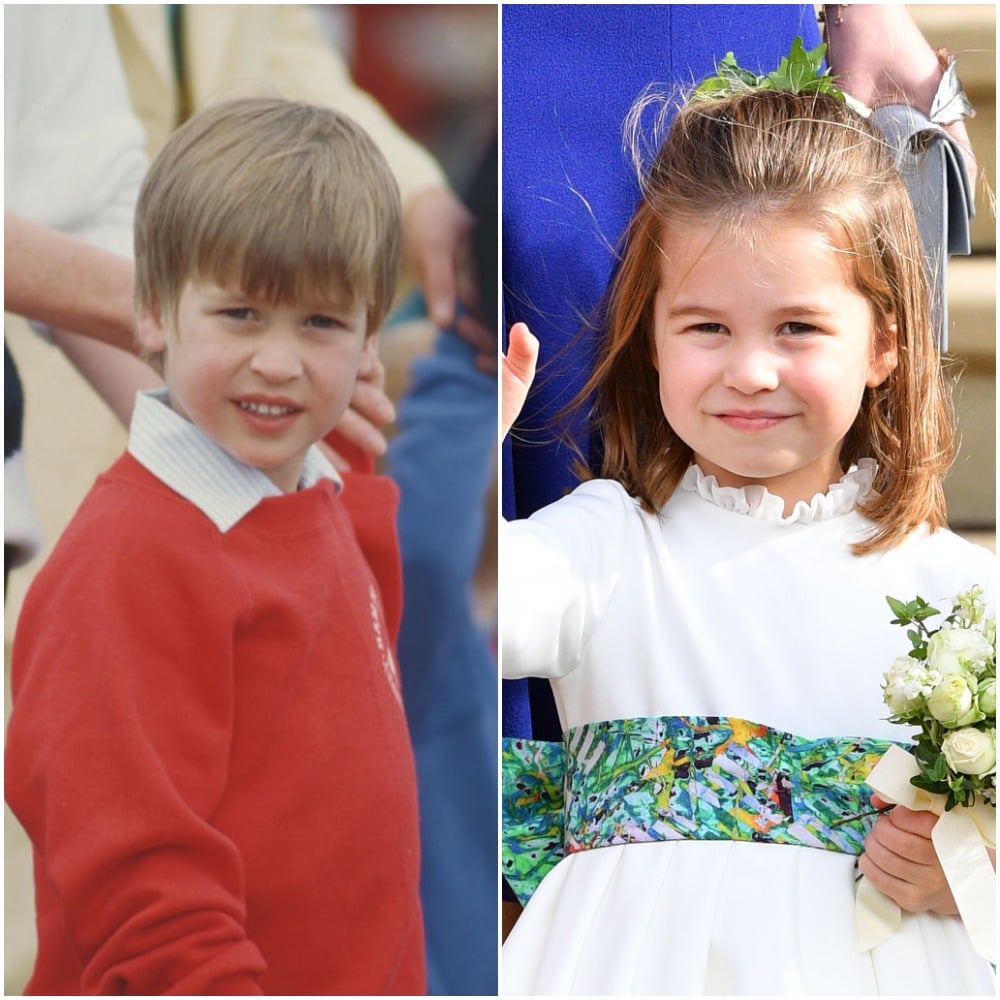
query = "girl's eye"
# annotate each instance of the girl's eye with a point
(798, 329)
(710, 328)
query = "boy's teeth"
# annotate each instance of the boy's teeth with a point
(266, 409)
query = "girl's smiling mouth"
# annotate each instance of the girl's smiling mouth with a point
(751, 420)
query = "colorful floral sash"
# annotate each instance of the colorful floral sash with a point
(640, 780)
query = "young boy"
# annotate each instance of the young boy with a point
(207, 746)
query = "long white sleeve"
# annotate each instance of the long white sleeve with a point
(558, 571)
(73, 149)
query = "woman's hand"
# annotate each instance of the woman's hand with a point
(880, 56)
(517, 373)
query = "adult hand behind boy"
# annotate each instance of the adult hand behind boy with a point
(360, 426)
(437, 250)
(476, 334)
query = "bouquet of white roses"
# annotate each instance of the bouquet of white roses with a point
(947, 687)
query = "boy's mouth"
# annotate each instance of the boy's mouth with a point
(266, 409)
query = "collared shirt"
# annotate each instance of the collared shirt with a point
(183, 457)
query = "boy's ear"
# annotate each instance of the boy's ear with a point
(150, 331)
(885, 353)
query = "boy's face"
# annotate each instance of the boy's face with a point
(263, 381)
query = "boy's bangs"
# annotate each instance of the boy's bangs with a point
(284, 202)
(280, 253)
(273, 265)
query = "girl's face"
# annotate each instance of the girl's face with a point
(764, 354)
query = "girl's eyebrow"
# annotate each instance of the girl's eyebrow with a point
(804, 310)
(698, 309)
(692, 309)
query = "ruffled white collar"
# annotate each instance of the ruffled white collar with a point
(756, 501)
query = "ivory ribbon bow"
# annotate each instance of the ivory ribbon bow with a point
(960, 838)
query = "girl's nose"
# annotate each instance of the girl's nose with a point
(751, 368)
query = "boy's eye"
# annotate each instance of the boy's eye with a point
(238, 313)
(321, 322)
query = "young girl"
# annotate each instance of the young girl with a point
(711, 612)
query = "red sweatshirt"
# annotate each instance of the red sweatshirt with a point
(209, 752)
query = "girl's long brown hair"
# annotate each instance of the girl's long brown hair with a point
(808, 158)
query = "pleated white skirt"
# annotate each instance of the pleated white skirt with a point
(723, 918)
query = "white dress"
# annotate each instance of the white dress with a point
(720, 606)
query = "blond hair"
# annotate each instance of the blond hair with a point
(746, 160)
(285, 201)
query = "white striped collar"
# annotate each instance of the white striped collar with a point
(183, 457)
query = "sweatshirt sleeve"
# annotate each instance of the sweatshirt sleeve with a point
(558, 571)
(117, 755)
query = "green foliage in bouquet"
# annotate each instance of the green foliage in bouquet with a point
(946, 685)
(799, 72)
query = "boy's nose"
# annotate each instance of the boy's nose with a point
(751, 368)
(276, 359)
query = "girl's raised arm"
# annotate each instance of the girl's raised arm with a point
(517, 373)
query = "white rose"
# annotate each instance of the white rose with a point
(952, 702)
(905, 686)
(952, 650)
(988, 696)
(971, 751)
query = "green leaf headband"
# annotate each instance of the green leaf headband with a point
(798, 73)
